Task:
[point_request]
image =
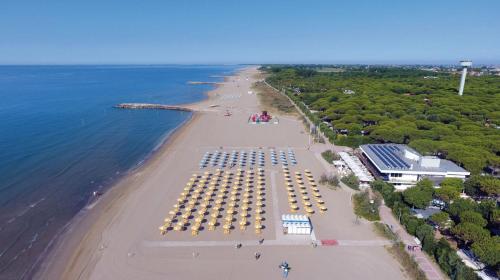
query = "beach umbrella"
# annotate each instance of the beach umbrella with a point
(294, 207)
(259, 210)
(211, 224)
(316, 194)
(292, 200)
(307, 203)
(198, 219)
(173, 212)
(313, 184)
(322, 209)
(215, 214)
(309, 211)
(229, 218)
(315, 189)
(227, 228)
(303, 192)
(305, 197)
(319, 201)
(244, 213)
(186, 215)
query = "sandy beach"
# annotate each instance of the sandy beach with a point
(118, 237)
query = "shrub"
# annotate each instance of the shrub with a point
(330, 156)
(363, 207)
(330, 181)
(351, 181)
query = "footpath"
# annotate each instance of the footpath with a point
(429, 267)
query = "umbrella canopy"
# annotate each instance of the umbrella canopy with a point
(309, 210)
(244, 213)
(292, 200)
(215, 214)
(307, 203)
(319, 201)
(322, 208)
(259, 210)
(316, 194)
(294, 207)
(305, 197)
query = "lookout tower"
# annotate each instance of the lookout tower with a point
(465, 65)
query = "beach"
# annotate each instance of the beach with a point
(118, 238)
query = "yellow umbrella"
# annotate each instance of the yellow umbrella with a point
(319, 201)
(294, 206)
(307, 203)
(227, 228)
(259, 210)
(292, 200)
(322, 209)
(172, 212)
(244, 213)
(309, 210)
(303, 191)
(316, 194)
(291, 194)
(232, 204)
(228, 218)
(305, 197)
(215, 215)
(199, 219)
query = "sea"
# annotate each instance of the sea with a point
(61, 140)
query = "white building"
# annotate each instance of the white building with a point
(296, 224)
(403, 167)
(356, 167)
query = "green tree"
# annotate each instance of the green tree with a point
(447, 193)
(488, 250)
(420, 195)
(469, 232)
(490, 185)
(472, 217)
(460, 205)
(442, 219)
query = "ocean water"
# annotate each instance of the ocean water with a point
(60, 140)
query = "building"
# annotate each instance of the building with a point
(403, 167)
(356, 167)
(296, 224)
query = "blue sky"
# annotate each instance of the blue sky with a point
(289, 31)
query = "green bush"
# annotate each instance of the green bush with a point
(351, 181)
(363, 207)
(330, 156)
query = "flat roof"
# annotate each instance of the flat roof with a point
(389, 158)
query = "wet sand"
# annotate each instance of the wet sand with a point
(118, 238)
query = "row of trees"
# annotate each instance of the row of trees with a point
(398, 105)
(441, 249)
(469, 222)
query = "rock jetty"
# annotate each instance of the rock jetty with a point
(151, 106)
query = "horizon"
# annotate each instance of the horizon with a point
(291, 32)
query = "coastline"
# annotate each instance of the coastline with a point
(69, 238)
(118, 238)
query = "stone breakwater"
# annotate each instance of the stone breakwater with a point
(151, 106)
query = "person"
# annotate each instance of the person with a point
(286, 268)
(257, 255)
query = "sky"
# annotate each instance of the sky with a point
(230, 32)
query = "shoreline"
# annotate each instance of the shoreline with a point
(73, 233)
(118, 237)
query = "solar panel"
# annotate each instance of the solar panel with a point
(394, 157)
(388, 157)
(386, 153)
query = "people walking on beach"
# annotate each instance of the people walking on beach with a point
(257, 255)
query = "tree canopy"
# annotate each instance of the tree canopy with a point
(400, 105)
